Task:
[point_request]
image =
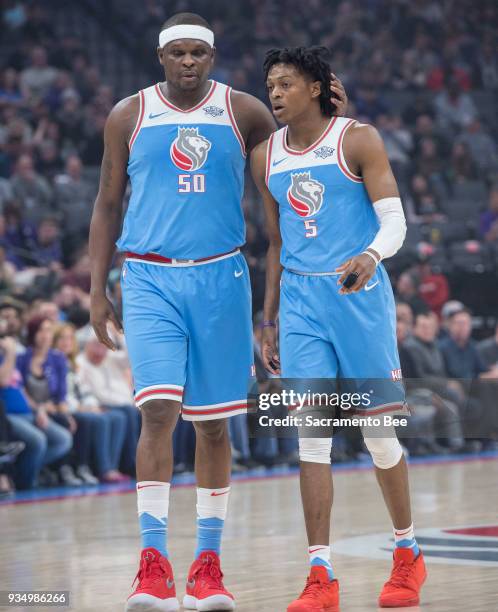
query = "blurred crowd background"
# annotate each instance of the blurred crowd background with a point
(425, 72)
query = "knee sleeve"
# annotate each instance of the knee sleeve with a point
(386, 452)
(315, 450)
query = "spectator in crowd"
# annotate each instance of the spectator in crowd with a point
(9, 451)
(407, 289)
(39, 76)
(481, 145)
(432, 388)
(460, 354)
(74, 197)
(47, 249)
(488, 225)
(462, 165)
(31, 189)
(11, 318)
(454, 109)
(106, 374)
(488, 351)
(100, 433)
(433, 288)
(44, 374)
(422, 204)
(45, 441)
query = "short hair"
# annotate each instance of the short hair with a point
(186, 19)
(310, 61)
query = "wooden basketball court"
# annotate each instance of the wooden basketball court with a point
(89, 545)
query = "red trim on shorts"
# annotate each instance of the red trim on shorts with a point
(140, 396)
(311, 147)
(140, 119)
(391, 408)
(268, 158)
(340, 161)
(215, 410)
(189, 110)
(233, 122)
(168, 260)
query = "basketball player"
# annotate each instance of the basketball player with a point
(186, 290)
(333, 213)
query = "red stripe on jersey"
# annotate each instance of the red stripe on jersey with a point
(342, 164)
(233, 122)
(311, 147)
(139, 122)
(268, 158)
(188, 110)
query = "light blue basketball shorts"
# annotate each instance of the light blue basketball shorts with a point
(351, 337)
(188, 330)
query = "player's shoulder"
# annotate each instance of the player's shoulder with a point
(125, 107)
(247, 103)
(361, 130)
(259, 152)
(362, 137)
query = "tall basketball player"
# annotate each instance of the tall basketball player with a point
(333, 213)
(186, 291)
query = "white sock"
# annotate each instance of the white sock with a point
(321, 552)
(212, 503)
(153, 498)
(404, 534)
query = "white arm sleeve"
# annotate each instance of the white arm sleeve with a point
(392, 230)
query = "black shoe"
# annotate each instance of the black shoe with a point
(10, 450)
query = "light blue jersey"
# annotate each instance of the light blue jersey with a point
(187, 176)
(186, 288)
(326, 215)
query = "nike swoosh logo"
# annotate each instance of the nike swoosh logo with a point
(214, 494)
(151, 116)
(237, 274)
(279, 161)
(316, 549)
(145, 486)
(369, 287)
(170, 583)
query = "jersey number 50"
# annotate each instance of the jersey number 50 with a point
(188, 183)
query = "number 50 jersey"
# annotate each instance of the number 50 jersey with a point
(186, 169)
(326, 215)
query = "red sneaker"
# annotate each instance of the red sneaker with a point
(205, 589)
(156, 586)
(407, 577)
(320, 593)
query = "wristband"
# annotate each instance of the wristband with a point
(268, 324)
(377, 261)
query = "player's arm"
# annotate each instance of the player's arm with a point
(107, 212)
(366, 156)
(269, 351)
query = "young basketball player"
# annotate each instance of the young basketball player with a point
(333, 213)
(186, 290)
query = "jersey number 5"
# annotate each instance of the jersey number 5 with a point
(310, 227)
(188, 183)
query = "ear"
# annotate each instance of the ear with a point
(160, 55)
(315, 88)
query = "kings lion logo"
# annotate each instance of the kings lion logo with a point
(305, 195)
(189, 150)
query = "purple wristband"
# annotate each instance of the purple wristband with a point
(268, 324)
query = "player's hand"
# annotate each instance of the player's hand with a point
(363, 265)
(339, 96)
(269, 353)
(101, 311)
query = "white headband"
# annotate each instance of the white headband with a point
(186, 31)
